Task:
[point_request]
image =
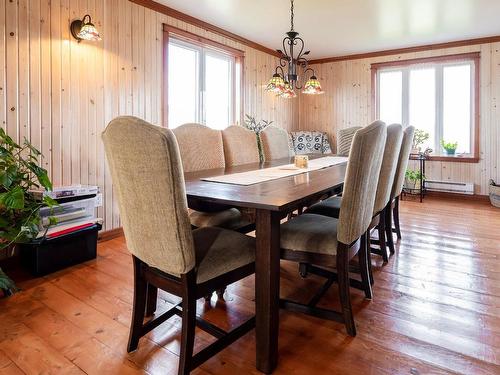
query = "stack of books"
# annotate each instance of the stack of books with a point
(75, 210)
(64, 192)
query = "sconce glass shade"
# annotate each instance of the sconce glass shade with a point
(312, 87)
(84, 29)
(276, 84)
(89, 32)
(288, 92)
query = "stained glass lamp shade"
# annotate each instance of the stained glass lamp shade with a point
(288, 92)
(312, 86)
(276, 84)
(84, 29)
(89, 32)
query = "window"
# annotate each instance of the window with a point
(438, 95)
(203, 81)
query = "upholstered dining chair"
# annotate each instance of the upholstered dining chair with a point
(329, 242)
(240, 146)
(201, 148)
(344, 140)
(147, 173)
(392, 211)
(275, 144)
(331, 206)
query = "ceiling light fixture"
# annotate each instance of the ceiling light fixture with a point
(84, 29)
(284, 84)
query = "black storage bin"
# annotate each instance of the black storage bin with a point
(49, 255)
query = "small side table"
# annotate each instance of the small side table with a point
(421, 191)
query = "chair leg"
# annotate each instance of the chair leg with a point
(188, 324)
(140, 292)
(381, 236)
(220, 293)
(369, 261)
(303, 270)
(151, 300)
(396, 218)
(344, 288)
(388, 228)
(363, 265)
(208, 297)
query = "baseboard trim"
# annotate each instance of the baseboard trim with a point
(107, 235)
(474, 197)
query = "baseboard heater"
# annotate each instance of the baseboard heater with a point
(450, 187)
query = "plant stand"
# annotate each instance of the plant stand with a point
(421, 191)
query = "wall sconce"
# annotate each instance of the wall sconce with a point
(84, 29)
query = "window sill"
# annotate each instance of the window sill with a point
(455, 158)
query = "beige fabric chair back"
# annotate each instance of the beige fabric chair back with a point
(389, 166)
(200, 147)
(344, 140)
(360, 186)
(147, 174)
(404, 155)
(275, 143)
(240, 146)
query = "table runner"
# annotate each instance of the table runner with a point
(273, 173)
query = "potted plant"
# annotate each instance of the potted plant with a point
(412, 179)
(449, 147)
(257, 127)
(19, 208)
(419, 138)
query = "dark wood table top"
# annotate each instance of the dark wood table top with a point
(281, 194)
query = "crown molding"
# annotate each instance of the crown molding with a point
(398, 51)
(160, 8)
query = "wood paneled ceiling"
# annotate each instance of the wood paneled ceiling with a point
(344, 27)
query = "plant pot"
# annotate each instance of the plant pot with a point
(409, 184)
(450, 152)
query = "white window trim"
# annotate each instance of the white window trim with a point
(439, 66)
(203, 52)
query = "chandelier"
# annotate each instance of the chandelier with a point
(284, 85)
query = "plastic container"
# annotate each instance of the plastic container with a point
(68, 212)
(45, 256)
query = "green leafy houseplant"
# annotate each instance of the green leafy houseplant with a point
(19, 208)
(257, 127)
(412, 179)
(449, 147)
(419, 138)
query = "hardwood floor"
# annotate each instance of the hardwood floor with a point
(436, 310)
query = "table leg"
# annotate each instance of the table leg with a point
(421, 180)
(267, 287)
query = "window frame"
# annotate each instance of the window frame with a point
(206, 47)
(447, 60)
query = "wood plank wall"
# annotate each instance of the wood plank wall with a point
(347, 102)
(60, 94)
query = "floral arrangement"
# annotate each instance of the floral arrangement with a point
(251, 124)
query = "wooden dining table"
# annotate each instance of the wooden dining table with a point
(272, 201)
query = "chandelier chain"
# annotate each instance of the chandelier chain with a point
(291, 15)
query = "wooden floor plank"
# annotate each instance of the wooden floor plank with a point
(7, 367)
(31, 353)
(11, 369)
